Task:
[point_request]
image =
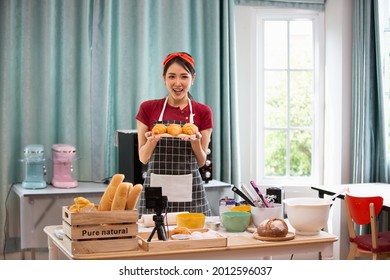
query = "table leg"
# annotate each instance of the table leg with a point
(327, 253)
(54, 252)
(33, 253)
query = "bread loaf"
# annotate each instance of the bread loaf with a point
(133, 197)
(120, 198)
(273, 228)
(109, 193)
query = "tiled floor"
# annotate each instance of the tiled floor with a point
(39, 254)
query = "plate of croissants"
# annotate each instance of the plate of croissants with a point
(175, 130)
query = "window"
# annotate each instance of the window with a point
(289, 96)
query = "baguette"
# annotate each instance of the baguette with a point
(120, 198)
(109, 193)
(133, 197)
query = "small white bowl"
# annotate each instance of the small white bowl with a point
(213, 225)
(307, 215)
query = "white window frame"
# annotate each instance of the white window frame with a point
(257, 98)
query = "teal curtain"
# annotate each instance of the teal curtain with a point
(75, 71)
(317, 5)
(369, 162)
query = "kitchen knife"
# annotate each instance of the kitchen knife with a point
(244, 191)
(252, 195)
(242, 195)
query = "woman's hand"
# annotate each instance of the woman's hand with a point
(152, 138)
(195, 137)
(146, 142)
(200, 144)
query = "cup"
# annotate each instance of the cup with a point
(260, 214)
(235, 221)
(243, 208)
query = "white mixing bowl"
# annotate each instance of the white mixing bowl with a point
(307, 215)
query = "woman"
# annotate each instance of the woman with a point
(174, 162)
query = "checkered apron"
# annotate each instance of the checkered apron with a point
(174, 156)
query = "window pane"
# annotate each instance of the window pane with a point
(300, 153)
(275, 44)
(301, 44)
(275, 153)
(275, 99)
(301, 93)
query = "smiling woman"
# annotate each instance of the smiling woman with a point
(174, 162)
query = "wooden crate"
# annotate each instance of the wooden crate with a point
(100, 231)
(156, 245)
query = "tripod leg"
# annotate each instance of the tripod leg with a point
(161, 233)
(151, 235)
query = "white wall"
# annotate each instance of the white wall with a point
(338, 89)
(338, 40)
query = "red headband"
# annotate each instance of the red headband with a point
(184, 56)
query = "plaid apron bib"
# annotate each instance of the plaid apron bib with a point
(173, 156)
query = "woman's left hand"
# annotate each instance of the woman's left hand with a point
(195, 137)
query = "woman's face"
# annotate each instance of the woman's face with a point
(178, 81)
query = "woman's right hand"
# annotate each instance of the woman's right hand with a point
(152, 138)
(146, 142)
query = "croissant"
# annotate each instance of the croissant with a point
(82, 205)
(81, 201)
(181, 230)
(174, 129)
(190, 129)
(159, 128)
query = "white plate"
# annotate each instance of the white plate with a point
(167, 135)
(181, 236)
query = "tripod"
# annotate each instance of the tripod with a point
(159, 227)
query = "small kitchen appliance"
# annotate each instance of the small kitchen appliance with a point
(63, 156)
(35, 170)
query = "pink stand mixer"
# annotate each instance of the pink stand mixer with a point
(63, 156)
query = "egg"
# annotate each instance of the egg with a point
(196, 235)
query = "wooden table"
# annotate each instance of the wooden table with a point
(239, 246)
